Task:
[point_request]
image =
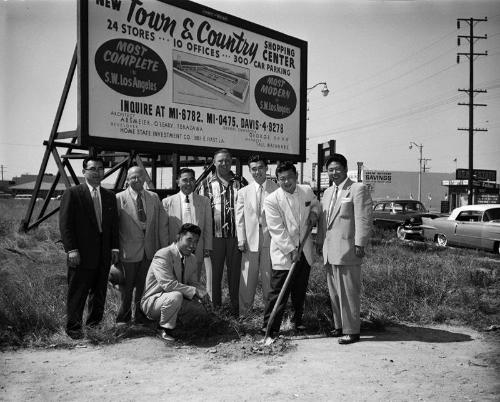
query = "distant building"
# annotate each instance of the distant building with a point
(26, 178)
(485, 189)
(25, 185)
(440, 191)
(385, 184)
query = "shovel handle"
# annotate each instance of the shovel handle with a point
(287, 282)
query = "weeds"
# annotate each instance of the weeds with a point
(402, 282)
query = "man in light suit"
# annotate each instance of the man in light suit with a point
(343, 233)
(189, 207)
(172, 289)
(88, 222)
(253, 236)
(290, 210)
(143, 231)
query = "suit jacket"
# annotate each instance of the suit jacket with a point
(134, 242)
(350, 223)
(286, 233)
(79, 229)
(247, 221)
(165, 273)
(203, 219)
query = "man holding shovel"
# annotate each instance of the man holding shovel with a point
(290, 211)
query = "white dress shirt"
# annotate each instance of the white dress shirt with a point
(187, 211)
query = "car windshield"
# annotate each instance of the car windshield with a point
(492, 214)
(414, 207)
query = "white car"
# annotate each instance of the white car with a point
(472, 226)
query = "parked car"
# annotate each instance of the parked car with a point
(411, 228)
(472, 226)
(402, 215)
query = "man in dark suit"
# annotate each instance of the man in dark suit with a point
(88, 221)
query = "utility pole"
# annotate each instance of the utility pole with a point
(471, 91)
(2, 170)
(421, 166)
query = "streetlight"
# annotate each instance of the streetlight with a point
(419, 168)
(325, 91)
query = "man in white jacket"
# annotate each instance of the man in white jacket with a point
(290, 210)
(253, 236)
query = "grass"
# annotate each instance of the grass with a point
(402, 282)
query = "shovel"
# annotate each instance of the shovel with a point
(267, 339)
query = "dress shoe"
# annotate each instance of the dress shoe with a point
(349, 338)
(166, 335)
(75, 333)
(337, 332)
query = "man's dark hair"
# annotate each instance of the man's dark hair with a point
(189, 228)
(92, 158)
(285, 166)
(222, 151)
(256, 158)
(339, 158)
(185, 170)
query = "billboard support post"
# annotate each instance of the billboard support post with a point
(325, 150)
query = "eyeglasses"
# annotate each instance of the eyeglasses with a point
(258, 169)
(95, 169)
(336, 170)
(283, 179)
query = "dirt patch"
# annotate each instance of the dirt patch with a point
(401, 363)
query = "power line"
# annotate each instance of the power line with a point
(398, 93)
(392, 66)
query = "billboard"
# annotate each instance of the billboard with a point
(175, 76)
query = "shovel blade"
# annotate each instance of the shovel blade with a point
(268, 341)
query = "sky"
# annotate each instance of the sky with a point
(390, 67)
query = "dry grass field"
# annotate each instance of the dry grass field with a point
(403, 282)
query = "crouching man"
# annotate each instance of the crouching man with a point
(172, 289)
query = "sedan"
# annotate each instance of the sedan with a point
(472, 226)
(389, 214)
(403, 215)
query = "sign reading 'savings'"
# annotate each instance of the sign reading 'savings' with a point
(167, 76)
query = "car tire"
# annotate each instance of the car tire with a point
(441, 240)
(400, 233)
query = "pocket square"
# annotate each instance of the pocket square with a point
(346, 199)
(308, 203)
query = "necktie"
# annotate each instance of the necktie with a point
(97, 208)
(333, 201)
(183, 267)
(259, 203)
(140, 209)
(186, 214)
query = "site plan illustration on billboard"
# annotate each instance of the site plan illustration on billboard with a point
(176, 76)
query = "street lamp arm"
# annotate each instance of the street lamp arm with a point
(325, 91)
